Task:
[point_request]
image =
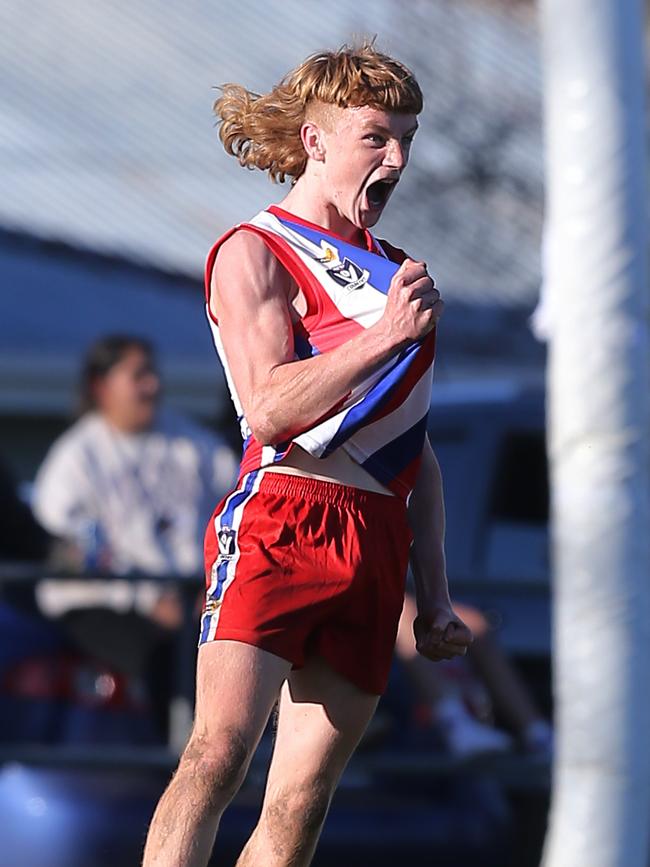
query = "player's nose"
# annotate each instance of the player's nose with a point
(396, 156)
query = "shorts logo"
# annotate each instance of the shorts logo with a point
(226, 539)
(346, 273)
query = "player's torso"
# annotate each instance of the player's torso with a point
(339, 466)
(335, 291)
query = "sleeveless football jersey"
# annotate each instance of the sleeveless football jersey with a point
(381, 424)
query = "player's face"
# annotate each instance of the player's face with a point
(367, 150)
(128, 394)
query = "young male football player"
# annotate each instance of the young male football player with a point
(327, 338)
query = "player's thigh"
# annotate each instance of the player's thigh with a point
(321, 719)
(237, 686)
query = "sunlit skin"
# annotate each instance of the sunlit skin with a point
(349, 149)
(127, 396)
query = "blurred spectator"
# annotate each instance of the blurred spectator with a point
(456, 705)
(48, 692)
(132, 487)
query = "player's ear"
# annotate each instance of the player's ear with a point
(313, 140)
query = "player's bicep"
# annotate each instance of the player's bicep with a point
(249, 300)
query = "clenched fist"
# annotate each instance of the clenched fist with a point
(413, 306)
(441, 634)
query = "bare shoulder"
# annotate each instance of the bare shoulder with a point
(245, 262)
(242, 245)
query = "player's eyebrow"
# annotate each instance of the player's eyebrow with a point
(373, 126)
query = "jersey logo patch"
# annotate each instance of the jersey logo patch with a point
(227, 541)
(349, 275)
(346, 273)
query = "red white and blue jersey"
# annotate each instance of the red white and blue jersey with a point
(381, 424)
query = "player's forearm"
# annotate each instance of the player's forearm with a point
(427, 521)
(297, 394)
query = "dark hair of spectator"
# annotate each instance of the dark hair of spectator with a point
(101, 358)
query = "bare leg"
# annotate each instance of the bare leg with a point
(237, 686)
(322, 717)
(507, 689)
(441, 698)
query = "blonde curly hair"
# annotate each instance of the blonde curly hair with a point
(263, 131)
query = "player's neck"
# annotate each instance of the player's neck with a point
(306, 201)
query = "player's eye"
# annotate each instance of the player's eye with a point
(375, 139)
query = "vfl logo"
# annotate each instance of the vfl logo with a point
(346, 273)
(226, 539)
(227, 542)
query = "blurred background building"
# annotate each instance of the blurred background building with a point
(114, 183)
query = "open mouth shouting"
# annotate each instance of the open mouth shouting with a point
(378, 193)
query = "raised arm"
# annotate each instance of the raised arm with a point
(281, 396)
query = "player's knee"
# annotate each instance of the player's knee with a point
(314, 805)
(301, 806)
(218, 764)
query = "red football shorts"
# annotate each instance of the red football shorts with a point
(299, 566)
